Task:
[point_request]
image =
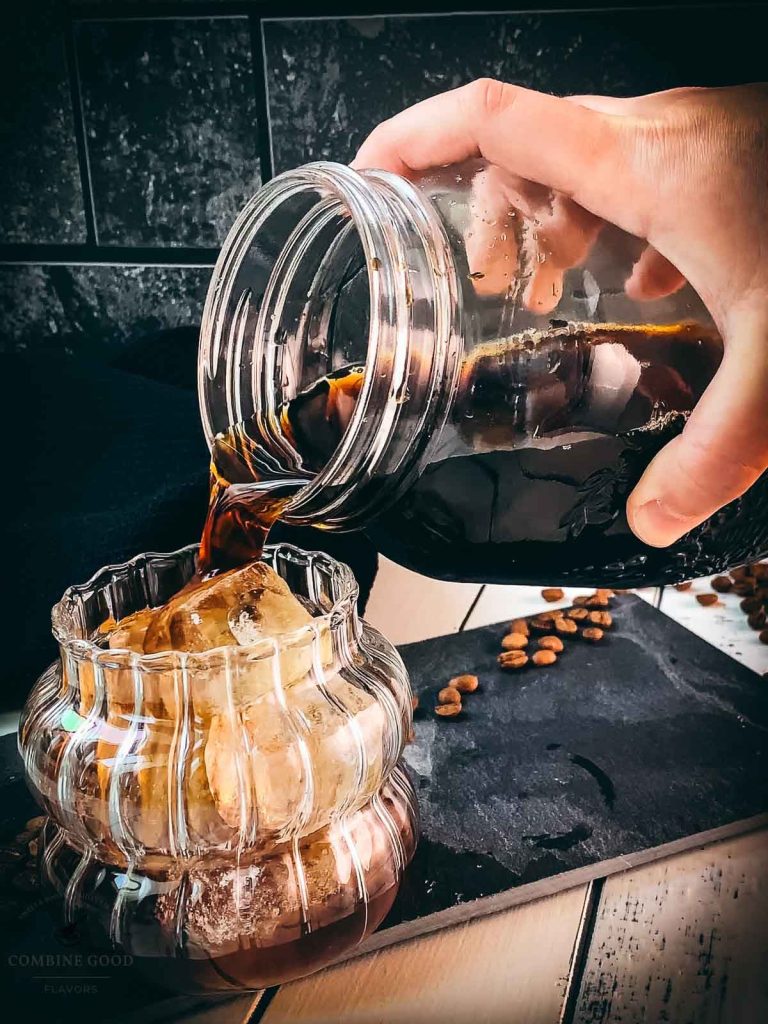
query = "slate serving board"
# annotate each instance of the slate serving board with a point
(648, 743)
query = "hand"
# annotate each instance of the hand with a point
(687, 170)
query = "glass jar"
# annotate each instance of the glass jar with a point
(457, 365)
(238, 811)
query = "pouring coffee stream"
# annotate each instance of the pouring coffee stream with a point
(249, 491)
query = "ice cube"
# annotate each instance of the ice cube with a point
(127, 634)
(339, 727)
(149, 804)
(240, 606)
(237, 608)
(130, 631)
(227, 699)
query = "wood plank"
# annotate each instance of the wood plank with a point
(200, 1009)
(723, 625)
(513, 966)
(684, 940)
(407, 607)
(534, 891)
(239, 1010)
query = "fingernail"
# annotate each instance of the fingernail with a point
(657, 525)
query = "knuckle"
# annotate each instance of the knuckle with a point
(489, 97)
(380, 132)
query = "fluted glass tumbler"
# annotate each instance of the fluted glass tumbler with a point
(233, 817)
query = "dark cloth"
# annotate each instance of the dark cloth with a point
(104, 459)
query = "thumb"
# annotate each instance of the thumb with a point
(722, 450)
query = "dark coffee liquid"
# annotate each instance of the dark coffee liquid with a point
(534, 516)
(528, 482)
(553, 433)
(249, 490)
(286, 944)
(264, 966)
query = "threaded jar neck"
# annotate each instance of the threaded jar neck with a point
(324, 267)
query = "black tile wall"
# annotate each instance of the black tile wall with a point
(332, 81)
(171, 109)
(170, 121)
(98, 306)
(40, 194)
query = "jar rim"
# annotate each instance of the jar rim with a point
(64, 612)
(388, 214)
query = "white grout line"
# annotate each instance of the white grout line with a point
(459, 13)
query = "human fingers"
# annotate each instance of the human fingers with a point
(521, 232)
(491, 238)
(653, 277)
(722, 450)
(576, 149)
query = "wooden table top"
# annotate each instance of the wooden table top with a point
(683, 940)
